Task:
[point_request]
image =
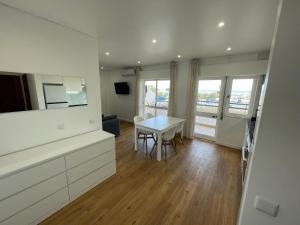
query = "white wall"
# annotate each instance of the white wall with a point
(31, 45)
(113, 104)
(275, 167)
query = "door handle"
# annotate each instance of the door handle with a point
(214, 116)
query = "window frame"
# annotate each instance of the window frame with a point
(155, 107)
(228, 95)
(221, 98)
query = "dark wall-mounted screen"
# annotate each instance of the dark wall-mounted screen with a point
(122, 88)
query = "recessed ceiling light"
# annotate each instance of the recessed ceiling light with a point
(107, 53)
(221, 24)
(139, 62)
(101, 67)
(154, 41)
(178, 56)
(228, 49)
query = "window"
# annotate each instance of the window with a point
(208, 96)
(240, 96)
(156, 97)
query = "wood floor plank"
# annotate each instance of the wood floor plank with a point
(201, 184)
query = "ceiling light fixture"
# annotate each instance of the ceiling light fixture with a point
(178, 56)
(139, 62)
(228, 49)
(221, 24)
(107, 53)
(154, 41)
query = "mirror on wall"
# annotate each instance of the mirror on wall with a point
(23, 92)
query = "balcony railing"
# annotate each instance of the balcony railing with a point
(214, 103)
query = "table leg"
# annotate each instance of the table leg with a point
(135, 138)
(159, 141)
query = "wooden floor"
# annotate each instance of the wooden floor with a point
(200, 185)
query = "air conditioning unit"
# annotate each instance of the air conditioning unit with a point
(128, 73)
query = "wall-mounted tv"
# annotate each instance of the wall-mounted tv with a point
(122, 88)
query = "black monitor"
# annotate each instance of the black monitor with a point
(122, 88)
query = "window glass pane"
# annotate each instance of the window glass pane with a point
(205, 126)
(156, 97)
(240, 96)
(149, 110)
(208, 96)
(163, 90)
(161, 112)
(150, 92)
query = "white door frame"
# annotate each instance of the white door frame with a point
(220, 107)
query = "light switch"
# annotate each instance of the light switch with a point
(267, 206)
(91, 121)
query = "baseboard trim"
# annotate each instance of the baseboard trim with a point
(126, 120)
(229, 145)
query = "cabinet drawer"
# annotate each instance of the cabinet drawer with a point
(89, 166)
(40, 210)
(91, 180)
(28, 197)
(89, 152)
(24, 179)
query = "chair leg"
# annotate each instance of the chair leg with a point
(152, 149)
(165, 152)
(146, 146)
(153, 138)
(174, 146)
(181, 139)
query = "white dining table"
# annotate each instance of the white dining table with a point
(158, 125)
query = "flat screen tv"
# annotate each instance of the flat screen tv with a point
(122, 88)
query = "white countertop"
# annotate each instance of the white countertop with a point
(21, 160)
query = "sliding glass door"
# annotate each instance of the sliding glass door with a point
(156, 97)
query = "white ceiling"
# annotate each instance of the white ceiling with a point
(125, 28)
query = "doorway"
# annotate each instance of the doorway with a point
(217, 98)
(208, 107)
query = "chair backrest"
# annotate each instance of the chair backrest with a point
(147, 116)
(137, 119)
(170, 134)
(179, 128)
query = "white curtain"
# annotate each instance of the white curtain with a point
(172, 94)
(191, 106)
(137, 90)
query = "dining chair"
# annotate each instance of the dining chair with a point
(144, 134)
(178, 134)
(168, 138)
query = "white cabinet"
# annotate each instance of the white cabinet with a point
(86, 183)
(29, 195)
(89, 166)
(89, 152)
(37, 212)
(24, 179)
